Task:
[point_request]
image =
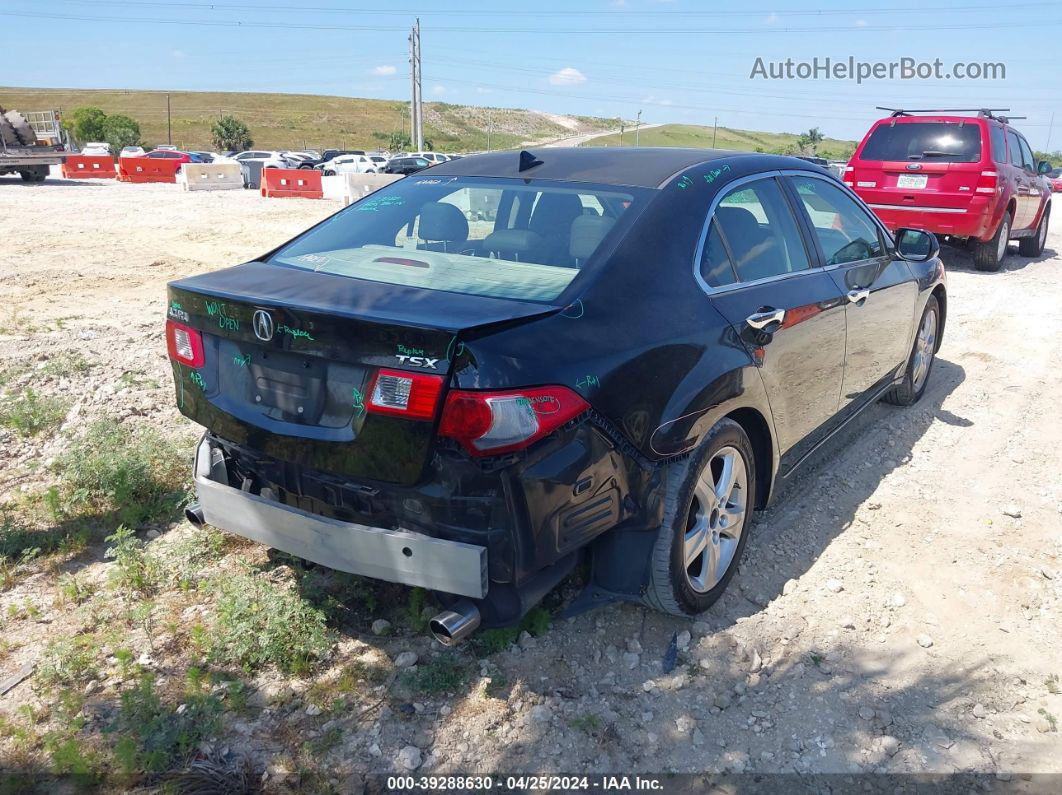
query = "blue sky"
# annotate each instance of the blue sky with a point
(676, 60)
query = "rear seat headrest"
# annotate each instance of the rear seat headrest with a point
(442, 222)
(587, 233)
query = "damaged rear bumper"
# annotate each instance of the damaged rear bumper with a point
(397, 556)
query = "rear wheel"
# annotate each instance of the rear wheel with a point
(34, 174)
(1034, 246)
(708, 508)
(919, 365)
(988, 256)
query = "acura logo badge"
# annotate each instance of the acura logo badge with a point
(263, 325)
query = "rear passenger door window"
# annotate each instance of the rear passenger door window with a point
(1015, 149)
(999, 144)
(844, 231)
(752, 236)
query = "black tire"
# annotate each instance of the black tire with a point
(329, 172)
(669, 589)
(989, 256)
(23, 131)
(1034, 246)
(908, 392)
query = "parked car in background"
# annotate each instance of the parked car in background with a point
(406, 165)
(380, 161)
(973, 179)
(266, 158)
(551, 403)
(348, 164)
(96, 148)
(169, 154)
(431, 157)
(1054, 176)
(131, 151)
(204, 157)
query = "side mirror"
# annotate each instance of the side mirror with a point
(917, 245)
(1043, 167)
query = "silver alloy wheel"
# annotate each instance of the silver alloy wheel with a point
(716, 519)
(925, 346)
(1004, 238)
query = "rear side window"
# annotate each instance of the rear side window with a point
(500, 238)
(1028, 160)
(941, 141)
(752, 236)
(1015, 149)
(999, 145)
(844, 231)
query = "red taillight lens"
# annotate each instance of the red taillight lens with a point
(185, 344)
(491, 423)
(987, 182)
(409, 395)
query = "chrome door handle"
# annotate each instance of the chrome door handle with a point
(760, 320)
(858, 296)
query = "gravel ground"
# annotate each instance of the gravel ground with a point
(898, 608)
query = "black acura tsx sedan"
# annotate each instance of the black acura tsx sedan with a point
(481, 374)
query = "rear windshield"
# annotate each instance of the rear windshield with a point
(941, 141)
(517, 239)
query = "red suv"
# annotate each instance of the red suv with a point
(965, 177)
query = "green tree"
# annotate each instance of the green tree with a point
(120, 131)
(229, 133)
(86, 124)
(809, 141)
(398, 142)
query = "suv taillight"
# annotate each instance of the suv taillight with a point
(410, 395)
(184, 344)
(491, 423)
(987, 182)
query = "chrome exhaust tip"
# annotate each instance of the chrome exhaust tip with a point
(452, 626)
(194, 514)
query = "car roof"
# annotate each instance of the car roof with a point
(642, 166)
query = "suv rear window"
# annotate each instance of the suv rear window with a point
(501, 238)
(930, 140)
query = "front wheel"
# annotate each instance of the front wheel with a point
(1034, 246)
(708, 508)
(920, 363)
(988, 256)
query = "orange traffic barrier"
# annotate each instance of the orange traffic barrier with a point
(89, 167)
(284, 182)
(147, 169)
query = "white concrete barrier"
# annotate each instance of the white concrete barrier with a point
(211, 176)
(361, 185)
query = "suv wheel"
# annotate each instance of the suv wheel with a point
(988, 256)
(1034, 246)
(920, 363)
(708, 508)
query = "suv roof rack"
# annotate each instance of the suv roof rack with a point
(984, 113)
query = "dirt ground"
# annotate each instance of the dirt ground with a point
(899, 607)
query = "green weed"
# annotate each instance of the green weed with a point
(31, 414)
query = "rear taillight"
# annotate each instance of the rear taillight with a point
(410, 395)
(490, 423)
(185, 344)
(988, 182)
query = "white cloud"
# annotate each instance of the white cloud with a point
(482, 90)
(860, 23)
(772, 19)
(384, 70)
(438, 88)
(178, 53)
(568, 76)
(654, 100)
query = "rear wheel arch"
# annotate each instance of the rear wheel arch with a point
(758, 430)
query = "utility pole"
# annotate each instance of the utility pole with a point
(1050, 128)
(637, 127)
(490, 127)
(715, 128)
(416, 105)
(621, 135)
(169, 126)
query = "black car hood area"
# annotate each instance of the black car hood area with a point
(343, 296)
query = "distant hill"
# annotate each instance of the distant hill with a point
(297, 121)
(726, 138)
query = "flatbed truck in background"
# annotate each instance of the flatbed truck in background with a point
(30, 143)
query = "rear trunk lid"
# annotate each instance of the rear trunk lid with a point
(290, 357)
(930, 163)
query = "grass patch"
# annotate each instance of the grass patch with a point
(188, 558)
(260, 624)
(445, 674)
(590, 724)
(1051, 683)
(31, 414)
(135, 569)
(132, 479)
(1052, 721)
(66, 363)
(66, 661)
(492, 641)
